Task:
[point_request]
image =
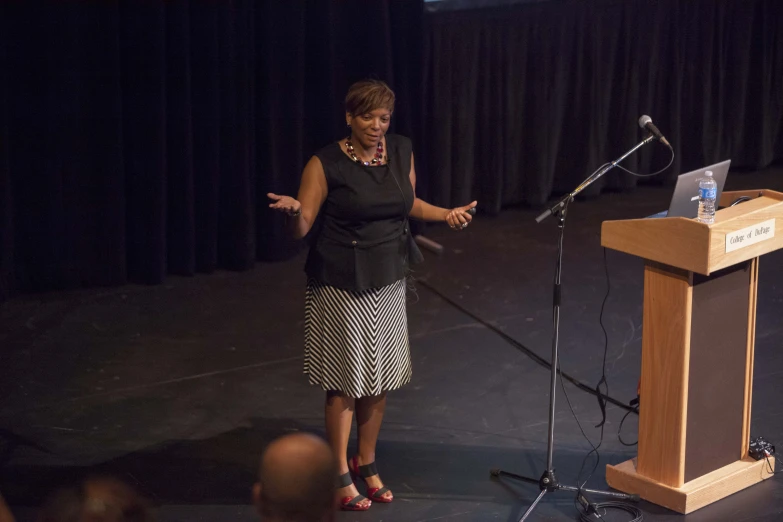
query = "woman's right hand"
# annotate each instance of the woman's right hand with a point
(285, 204)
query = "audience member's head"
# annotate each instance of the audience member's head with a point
(97, 499)
(296, 481)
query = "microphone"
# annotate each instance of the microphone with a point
(646, 123)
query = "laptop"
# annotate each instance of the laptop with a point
(685, 200)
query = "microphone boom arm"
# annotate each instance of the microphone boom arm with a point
(557, 207)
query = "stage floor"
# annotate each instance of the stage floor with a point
(177, 388)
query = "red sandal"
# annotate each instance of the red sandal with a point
(351, 503)
(369, 470)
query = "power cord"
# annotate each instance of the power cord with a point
(593, 512)
(522, 348)
(769, 465)
(601, 401)
(620, 428)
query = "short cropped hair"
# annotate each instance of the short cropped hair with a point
(368, 95)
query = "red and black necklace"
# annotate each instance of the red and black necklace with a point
(376, 160)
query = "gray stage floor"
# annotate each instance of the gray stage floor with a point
(178, 387)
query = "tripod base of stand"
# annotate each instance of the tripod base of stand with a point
(694, 494)
(548, 484)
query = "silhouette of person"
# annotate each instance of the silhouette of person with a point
(296, 480)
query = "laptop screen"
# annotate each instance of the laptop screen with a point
(685, 200)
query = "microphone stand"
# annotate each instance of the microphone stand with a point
(593, 177)
(548, 482)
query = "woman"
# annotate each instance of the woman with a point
(356, 339)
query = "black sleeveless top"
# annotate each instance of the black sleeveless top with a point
(362, 241)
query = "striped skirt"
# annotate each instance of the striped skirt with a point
(356, 342)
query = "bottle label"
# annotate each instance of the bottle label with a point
(708, 193)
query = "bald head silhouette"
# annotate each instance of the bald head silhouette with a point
(296, 480)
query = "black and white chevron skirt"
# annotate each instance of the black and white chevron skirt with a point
(357, 342)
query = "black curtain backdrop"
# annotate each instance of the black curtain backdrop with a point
(139, 139)
(525, 101)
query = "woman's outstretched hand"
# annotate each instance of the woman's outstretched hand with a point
(458, 218)
(285, 204)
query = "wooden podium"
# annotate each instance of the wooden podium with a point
(697, 350)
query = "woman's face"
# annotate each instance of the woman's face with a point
(369, 128)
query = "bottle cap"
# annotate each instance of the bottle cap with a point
(708, 173)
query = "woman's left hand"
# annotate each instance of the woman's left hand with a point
(458, 218)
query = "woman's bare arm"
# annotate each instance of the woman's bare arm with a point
(426, 212)
(312, 194)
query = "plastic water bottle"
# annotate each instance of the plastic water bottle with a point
(707, 194)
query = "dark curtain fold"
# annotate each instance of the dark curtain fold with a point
(525, 101)
(143, 77)
(6, 200)
(139, 139)
(182, 35)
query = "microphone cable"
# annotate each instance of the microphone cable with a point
(671, 160)
(522, 348)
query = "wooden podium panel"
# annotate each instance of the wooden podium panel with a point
(698, 336)
(665, 342)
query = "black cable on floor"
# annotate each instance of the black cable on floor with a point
(591, 512)
(769, 466)
(524, 349)
(620, 429)
(622, 506)
(601, 401)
